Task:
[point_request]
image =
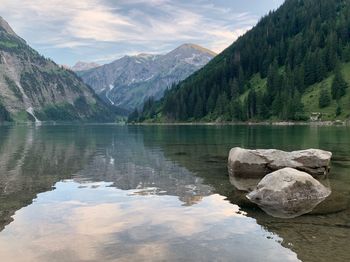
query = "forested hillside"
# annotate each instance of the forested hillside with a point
(292, 63)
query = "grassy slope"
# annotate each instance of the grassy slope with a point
(258, 84)
(311, 97)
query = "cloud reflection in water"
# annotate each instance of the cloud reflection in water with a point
(97, 222)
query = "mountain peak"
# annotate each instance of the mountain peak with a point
(6, 27)
(187, 46)
(129, 81)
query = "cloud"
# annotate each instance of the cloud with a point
(102, 223)
(94, 29)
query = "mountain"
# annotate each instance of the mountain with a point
(83, 66)
(293, 63)
(131, 80)
(34, 88)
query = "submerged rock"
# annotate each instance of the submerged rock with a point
(246, 163)
(288, 193)
(336, 202)
(244, 184)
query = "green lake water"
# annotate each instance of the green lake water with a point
(158, 193)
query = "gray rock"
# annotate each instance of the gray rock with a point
(288, 193)
(246, 163)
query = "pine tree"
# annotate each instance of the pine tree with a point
(221, 104)
(339, 85)
(236, 110)
(252, 104)
(198, 110)
(298, 111)
(338, 111)
(210, 103)
(273, 81)
(241, 80)
(234, 88)
(310, 69)
(299, 77)
(321, 69)
(324, 99)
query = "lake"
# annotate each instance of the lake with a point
(158, 193)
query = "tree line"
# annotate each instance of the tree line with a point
(298, 45)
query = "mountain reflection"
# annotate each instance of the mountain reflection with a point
(150, 165)
(128, 164)
(115, 198)
(33, 159)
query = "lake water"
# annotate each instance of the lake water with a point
(158, 193)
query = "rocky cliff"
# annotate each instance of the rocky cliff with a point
(33, 88)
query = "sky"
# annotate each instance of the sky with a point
(101, 31)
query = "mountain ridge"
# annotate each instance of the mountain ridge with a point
(131, 80)
(7, 28)
(33, 88)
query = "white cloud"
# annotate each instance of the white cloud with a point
(133, 25)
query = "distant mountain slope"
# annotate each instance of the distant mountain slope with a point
(35, 88)
(131, 80)
(83, 66)
(280, 70)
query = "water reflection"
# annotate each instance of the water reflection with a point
(130, 165)
(244, 184)
(319, 236)
(98, 222)
(156, 193)
(32, 161)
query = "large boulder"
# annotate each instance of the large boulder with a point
(246, 163)
(288, 193)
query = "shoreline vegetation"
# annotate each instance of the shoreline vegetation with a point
(259, 123)
(213, 123)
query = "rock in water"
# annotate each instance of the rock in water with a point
(246, 163)
(244, 184)
(288, 193)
